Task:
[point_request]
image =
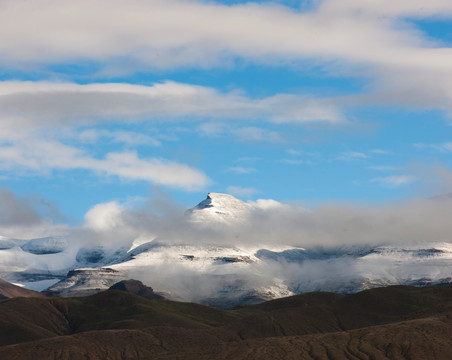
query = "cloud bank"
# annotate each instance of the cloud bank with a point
(274, 224)
(197, 33)
(327, 230)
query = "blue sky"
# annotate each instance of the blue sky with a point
(297, 101)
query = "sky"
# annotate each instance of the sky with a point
(303, 102)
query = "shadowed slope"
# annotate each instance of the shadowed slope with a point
(27, 319)
(425, 339)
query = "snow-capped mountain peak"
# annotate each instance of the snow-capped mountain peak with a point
(219, 207)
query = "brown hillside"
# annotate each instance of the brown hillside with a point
(388, 323)
(8, 290)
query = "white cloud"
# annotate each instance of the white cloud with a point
(267, 204)
(444, 147)
(106, 216)
(380, 152)
(44, 155)
(51, 104)
(168, 33)
(294, 152)
(447, 146)
(417, 88)
(407, 66)
(241, 170)
(56, 108)
(395, 181)
(408, 8)
(352, 155)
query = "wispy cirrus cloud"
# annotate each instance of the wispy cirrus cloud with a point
(352, 155)
(395, 180)
(443, 147)
(241, 170)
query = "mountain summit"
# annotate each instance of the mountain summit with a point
(219, 207)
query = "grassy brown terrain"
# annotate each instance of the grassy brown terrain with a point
(397, 322)
(8, 290)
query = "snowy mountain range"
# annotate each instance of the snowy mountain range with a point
(221, 274)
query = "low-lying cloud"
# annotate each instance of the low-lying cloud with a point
(269, 223)
(28, 216)
(265, 223)
(331, 233)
